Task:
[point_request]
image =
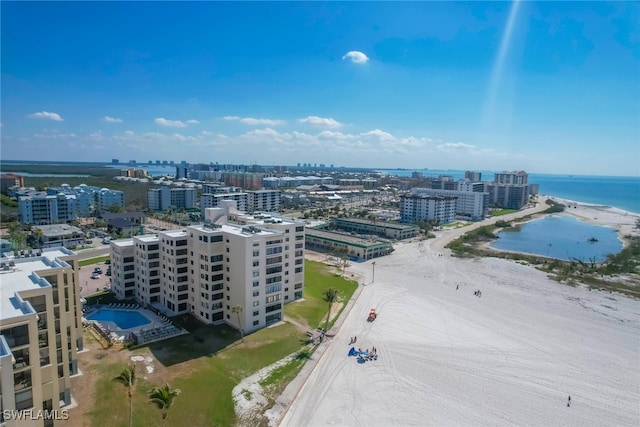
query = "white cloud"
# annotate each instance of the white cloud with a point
(321, 121)
(380, 134)
(55, 135)
(108, 119)
(46, 115)
(256, 122)
(170, 123)
(454, 146)
(193, 122)
(356, 56)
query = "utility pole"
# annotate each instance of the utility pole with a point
(373, 271)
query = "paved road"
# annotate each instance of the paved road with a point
(445, 237)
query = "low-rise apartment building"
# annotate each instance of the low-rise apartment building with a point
(40, 332)
(388, 230)
(47, 207)
(166, 197)
(263, 200)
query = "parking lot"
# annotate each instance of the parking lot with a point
(90, 286)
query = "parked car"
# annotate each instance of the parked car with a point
(97, 270)
(108, 261)
(95, 275)
(108, 273)
(106, 240)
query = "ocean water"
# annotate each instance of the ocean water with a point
(561, 236)
(615, 191)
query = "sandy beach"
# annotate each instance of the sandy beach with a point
(448, 357)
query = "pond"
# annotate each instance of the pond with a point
(562, 237)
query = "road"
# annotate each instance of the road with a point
(445, 237)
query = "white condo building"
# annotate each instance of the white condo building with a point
(263, 200)
(469, 204)
(44, 208)
(165, 197)
(423, 207)
(256, 262)
(214, 200)
(40, 332)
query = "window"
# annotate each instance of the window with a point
(215, 239)
(256, 293)
(256, 313)
(256, 322)
(256, 263)
(256, 273)
(256, 303)
(256, 284)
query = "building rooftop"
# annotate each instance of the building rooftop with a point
(238, 230)
(20, 274)
(347, 238)
(392, 225)
(58, 230)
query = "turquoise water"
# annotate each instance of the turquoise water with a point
(563, 237)
(124, 319)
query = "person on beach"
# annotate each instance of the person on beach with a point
(355, 339)
(457, 286)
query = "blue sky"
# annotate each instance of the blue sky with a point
(548, 87)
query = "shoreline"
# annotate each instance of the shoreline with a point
(623, 221)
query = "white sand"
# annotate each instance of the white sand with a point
(449, 358)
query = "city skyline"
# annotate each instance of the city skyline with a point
(549, 87)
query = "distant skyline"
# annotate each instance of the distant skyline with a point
(546, 87)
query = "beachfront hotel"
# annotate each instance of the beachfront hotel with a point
(233, 259)
(40, 331)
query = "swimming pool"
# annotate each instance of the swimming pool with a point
(123, 319)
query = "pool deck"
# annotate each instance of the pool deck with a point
(159, 328)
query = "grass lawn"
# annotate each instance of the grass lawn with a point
(499, 212)
(319, 277)
(91, 261)
(209, 362)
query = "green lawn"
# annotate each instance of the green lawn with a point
(319, 277)
(500, 212)
(208, 363)
(92, 261)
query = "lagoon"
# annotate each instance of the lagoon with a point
(562, 237)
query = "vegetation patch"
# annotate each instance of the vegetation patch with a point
(91, 261)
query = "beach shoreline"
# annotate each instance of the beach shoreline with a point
(623, 221)
(450, 357)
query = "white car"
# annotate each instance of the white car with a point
(95, 276)
(106, 241)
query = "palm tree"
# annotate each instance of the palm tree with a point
(330, 295)
(237, 309)
(163, 398)
(128, 378)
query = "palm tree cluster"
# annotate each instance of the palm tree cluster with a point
(162, 397)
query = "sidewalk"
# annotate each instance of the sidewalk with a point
(290, 393)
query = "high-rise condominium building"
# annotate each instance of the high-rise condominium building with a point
(423, 207)
(233, 259)
(514, 177)
(40, 331)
